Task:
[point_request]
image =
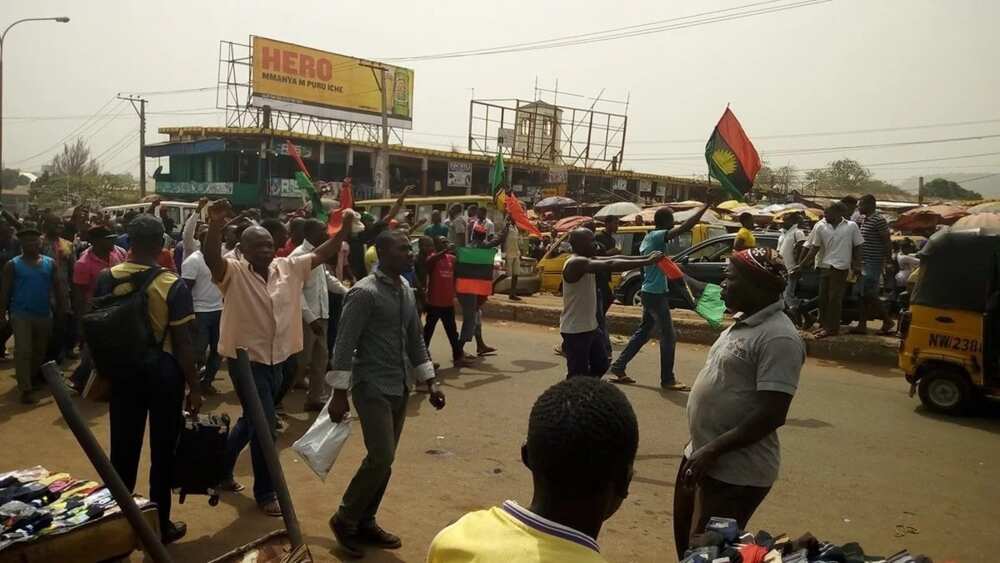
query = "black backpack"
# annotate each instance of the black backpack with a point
(117, 328)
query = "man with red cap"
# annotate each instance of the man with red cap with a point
(739, 400)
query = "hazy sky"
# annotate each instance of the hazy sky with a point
(844, 65)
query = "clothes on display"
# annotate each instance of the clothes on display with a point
(723, 542)
(35, 503)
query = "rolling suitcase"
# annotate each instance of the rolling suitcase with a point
(200, 458)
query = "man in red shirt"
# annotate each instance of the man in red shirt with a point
(102, 255)
(440, 300)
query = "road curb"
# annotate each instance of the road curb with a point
(872, 350)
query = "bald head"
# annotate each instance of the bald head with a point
(582, 242)
(257, 247)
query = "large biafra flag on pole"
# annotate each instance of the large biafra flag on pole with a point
(732, 158)
(474, 270)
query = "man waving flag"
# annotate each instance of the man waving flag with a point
(732, 158)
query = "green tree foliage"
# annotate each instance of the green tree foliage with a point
(74, 177)
(12, 178)
(781, 180)
(848, 176)
(946, 189)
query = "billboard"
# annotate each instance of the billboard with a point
(290, 77)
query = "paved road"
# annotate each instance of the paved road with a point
(859, 458)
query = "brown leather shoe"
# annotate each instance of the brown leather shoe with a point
(347, 538)
(373, 534)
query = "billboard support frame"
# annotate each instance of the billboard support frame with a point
(233, 94)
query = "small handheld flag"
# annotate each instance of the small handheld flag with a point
(346, 197)
(519, 216)
(731, 157)
(704, 298)
(305, 182)
(497, 176)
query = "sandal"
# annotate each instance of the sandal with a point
(271, 508)
(623, 380)
(230, 485)
(675, 387)
(486, 351)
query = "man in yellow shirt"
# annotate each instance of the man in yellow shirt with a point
(744, 237)
(582, 440)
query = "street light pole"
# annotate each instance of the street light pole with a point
(60, 19)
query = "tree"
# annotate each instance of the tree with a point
(847, 176)
(12, 178)
(842, 175)
(74, 177)
(946, 189)
(779, 180)
(74, 160)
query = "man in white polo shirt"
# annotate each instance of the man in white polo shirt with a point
(838, 242)
(207, 310)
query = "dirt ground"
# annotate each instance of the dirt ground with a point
(859, 457)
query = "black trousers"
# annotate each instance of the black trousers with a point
(586, 353)
(694, 507)
(447, 318)
(156, 393)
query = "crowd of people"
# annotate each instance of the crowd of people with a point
(349, 315)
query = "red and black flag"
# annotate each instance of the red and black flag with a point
(732, 158)
(474, 270)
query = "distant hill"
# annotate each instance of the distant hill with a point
(986, 182)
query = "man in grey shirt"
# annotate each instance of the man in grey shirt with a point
(739, 400)
(380, 331)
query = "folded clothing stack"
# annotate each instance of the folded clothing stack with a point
(723, 542)
(35, 503)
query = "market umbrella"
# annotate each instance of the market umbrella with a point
(731, 205)
(988, 207)
(679, 216)
(646, 214)
(618, 209)
(812, 214)
(555, 201)
(928, 218)
(570, 223)
(978, 221)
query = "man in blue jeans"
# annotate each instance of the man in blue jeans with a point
(656, 302)
(262, 314)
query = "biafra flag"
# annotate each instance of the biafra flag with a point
(704, 298)
(474, 270)
(731, 157)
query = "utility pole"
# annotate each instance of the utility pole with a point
(382, 162)
(920, 190)
(140, 110)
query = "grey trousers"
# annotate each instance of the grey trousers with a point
(31, 340)
(382, 418)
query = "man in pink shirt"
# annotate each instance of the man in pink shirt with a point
(262, 313)
(102, 255)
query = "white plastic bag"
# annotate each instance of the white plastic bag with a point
(321, 444)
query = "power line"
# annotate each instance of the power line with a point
(821, 150)
(832, 133)
(78, 130)
(621, 33)
(179, 91)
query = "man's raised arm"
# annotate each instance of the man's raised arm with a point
(217, 212)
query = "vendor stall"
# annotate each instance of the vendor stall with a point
(55, 517)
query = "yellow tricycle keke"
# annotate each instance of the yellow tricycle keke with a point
(949, 350)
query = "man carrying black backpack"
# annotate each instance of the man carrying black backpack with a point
(148, 357)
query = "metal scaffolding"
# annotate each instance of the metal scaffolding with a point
(235, 89)
(545, 132)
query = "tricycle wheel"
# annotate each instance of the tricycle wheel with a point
(945, 390)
